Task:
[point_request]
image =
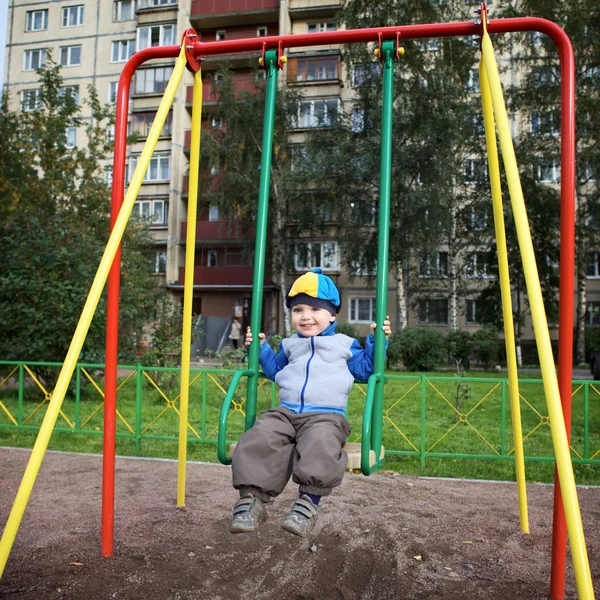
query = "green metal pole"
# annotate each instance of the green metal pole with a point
(503, 418)
(388, 50)
(138, 409)
(261, 235)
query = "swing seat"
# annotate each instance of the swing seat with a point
(353, 449)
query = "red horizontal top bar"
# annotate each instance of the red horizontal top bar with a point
(349, 36)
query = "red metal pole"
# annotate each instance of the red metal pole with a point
(112, 307)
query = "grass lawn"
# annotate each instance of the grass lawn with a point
(421, 415)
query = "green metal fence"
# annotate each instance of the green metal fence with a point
(425, 416)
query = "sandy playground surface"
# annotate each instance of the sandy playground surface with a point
(381, 537)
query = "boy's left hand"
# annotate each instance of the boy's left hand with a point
(386, 327)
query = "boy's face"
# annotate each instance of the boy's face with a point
(310, 321)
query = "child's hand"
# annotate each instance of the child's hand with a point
(386, 327)
(261, 337)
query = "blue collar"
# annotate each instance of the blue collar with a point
(328, 331)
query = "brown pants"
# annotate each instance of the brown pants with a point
(309, 446)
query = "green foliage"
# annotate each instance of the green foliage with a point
(592, 341)
(486, 346)
(459, 345)
(418, 348)
(347, 329)
(274, 341)
(164, 334)
(55, 206)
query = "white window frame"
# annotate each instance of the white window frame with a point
(548, 121)
(156, 3)
(592, 313)
(321, 27)
(321, 262)
(311, 121)
(71, 135)
(594, 258)
(29, 64)
(220, 35)
(427, 270)
(67, 12)
(120, 14)
(69, 51)
(479, 265)
(472, 166)
(166, 35)
(153, 210)
(213, 212)
(354, 309)
(146, 80)
(262, 31)
(471, 311)
(160, 264)
(157, 163)
(31, 18)
(26, 104)
(72, 90)
(122, 50)
(549, 171)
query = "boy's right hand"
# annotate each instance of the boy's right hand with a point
(261, 337)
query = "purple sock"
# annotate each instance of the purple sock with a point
(314, 499)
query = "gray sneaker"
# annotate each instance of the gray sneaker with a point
(302, 518)
(248, 513)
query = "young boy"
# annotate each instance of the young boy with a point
(304, 437)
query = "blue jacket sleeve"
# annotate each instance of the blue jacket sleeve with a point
(270, 362)
(361, 362)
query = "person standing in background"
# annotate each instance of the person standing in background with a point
(234, 334)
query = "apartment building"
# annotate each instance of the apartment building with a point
(93, 39)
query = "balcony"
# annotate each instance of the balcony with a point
(218, 13)
(217, 230)
(220, 276)
(243, 82)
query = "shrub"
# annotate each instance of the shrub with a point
(347, 329)
(418, 348)
(486, 346)
(592, 341)
(459, 345)
(274, 341)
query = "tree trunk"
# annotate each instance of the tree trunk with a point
(401, 298)
(580, 356)
(452, 274)
(278, 249)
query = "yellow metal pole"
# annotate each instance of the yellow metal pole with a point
(540, 325)
(188, 288)
(41, 443)
(509, 332)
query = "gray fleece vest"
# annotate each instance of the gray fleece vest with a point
(317, 375)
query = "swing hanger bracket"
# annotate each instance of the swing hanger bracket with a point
(189, 38)
(383, 46)
(482, 22)
(280, 57)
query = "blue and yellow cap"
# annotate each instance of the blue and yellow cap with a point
(315, 289)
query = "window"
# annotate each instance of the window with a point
(549, 171)
(72, 16)
(298, 157)
(71, 134)
(213, 213)
(108, 175)
(363, 213)
(434, 265)
(142, 123)
(319, 113)
(475, 170)
(70, 56)
(156, 35)
(309, 255)
(473, 81)
(34, 59)
(124, 10)
(262, 31)
(358, 120)
(362, 310)
(471, 311)
(593, 313)
(433, 311)
(158, 262)
(320, 27)
(211, 258)
(476, 217)
(545, 123)
(219, 78)
(31, 100)
(152, 81)
(216, 122)
(480, 265)
(317, 69)
(593, 268)
(154, 211)
(157, 3)
(37, 20)
(543, 75)
(365, 72)
(220, 35)
(159, 168)
(122, 50)
(70, 91)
